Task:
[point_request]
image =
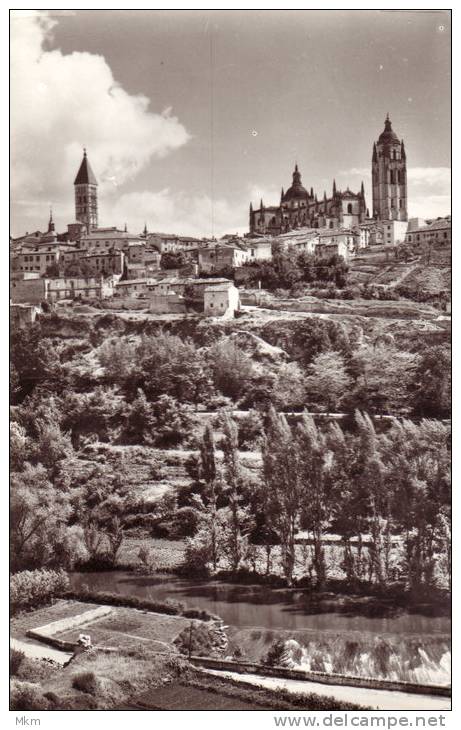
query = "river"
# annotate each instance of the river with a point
(334, 634)
(248, 606)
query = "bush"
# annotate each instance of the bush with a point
(32, 588)
(27, 696)
(201, 640)
(185, 522)
(16, 659)
(86, 682)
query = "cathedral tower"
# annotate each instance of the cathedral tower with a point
(86, 195)
(389, 176)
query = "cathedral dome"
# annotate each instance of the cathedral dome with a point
(388, 136)
(296, 191)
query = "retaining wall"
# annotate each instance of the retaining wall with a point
(321, 677)
(47, 633)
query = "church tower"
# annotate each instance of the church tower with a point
(389, 176)
(86, 195)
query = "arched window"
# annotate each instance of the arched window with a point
(349, 208)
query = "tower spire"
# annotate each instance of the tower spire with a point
(86, 194)
(51, 222)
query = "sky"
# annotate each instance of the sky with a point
(187, 116)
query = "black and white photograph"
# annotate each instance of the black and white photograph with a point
(230, 365)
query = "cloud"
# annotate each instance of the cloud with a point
(429, 193)
(168, 212)
(62, 102)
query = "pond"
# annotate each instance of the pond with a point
(246, 606)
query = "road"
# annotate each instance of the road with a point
(378, 699)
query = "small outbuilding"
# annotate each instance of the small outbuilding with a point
(221, 299)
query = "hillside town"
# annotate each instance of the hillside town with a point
(173, 274)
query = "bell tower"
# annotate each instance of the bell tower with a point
(86, 195)
(389, 176)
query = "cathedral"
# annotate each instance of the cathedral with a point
(300, 208)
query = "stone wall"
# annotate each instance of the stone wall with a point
(321, 677)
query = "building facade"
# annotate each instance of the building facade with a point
(437, 231)
(389, 176)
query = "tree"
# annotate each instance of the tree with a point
(236, 521)
(283, 487)
(18, 446)
(372, 484)
(36, 362)
(328, 381)
(173, 260)
(117, 357)
(208, 474)
(38, 519)
(168, 365)
(418, 477)
(383, 376)
(51, 448)
(432, 383)
(231, 368)
(315, 475)
(288, 390)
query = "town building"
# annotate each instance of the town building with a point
(222, 256)
(221, 300)
(433, 231)
(41, 256)
(106, 239)
(338, 242)
(394, 232)
(36, 291)
(132, 288)
(389, 176)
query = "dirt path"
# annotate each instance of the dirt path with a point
(379, 699)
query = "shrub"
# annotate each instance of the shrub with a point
(202, 640)
(27, 696)
(185, 522)
(31, 588)
(16, 659)
(86, 682)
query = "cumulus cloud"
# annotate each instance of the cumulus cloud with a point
(167, 212)
(61, 102)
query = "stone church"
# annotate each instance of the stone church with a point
(300, 208)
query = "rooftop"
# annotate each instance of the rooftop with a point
(85, 175)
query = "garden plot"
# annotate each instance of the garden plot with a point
(127, 627)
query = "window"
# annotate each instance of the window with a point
(349, 208)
